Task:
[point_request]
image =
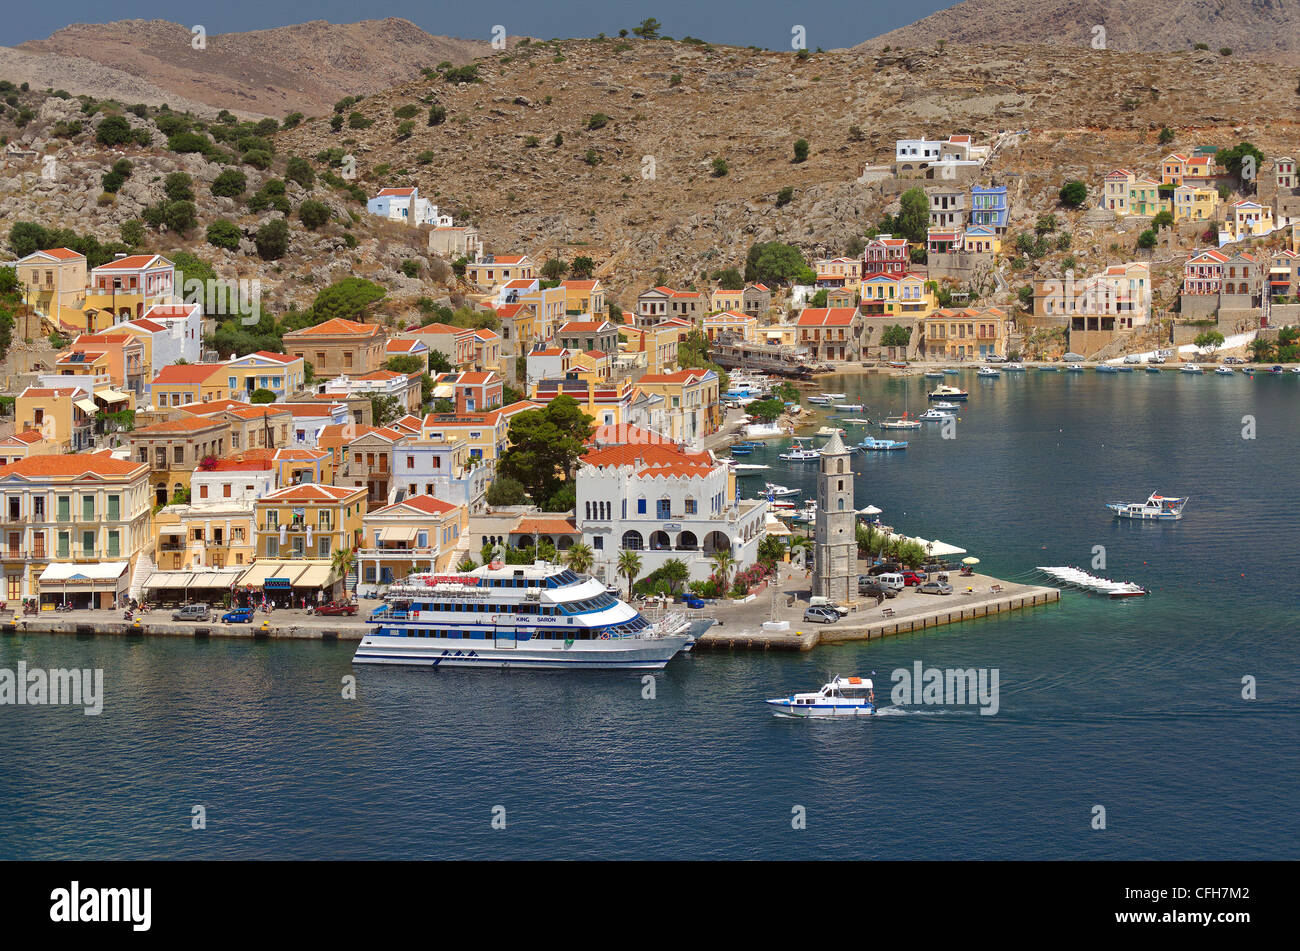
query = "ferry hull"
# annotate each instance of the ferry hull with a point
(616, 654)
(818, 711)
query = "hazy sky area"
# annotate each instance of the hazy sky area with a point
(829, 23)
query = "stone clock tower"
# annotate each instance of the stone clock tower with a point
(835, 543)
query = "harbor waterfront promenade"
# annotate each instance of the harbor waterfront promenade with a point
(738, 624)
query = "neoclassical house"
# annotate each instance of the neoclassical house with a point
(663, 502)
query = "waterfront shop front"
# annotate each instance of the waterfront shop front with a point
(213, 586)
(286, 584)
(83, 586)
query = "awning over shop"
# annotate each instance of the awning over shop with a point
(87, 406)
(317, 576)
(210, 580)
(112, 396)
(255, 577)
(61, 576)
(176, 530)
(169, 579)
(396, 533)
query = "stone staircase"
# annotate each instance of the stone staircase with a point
(144, 567)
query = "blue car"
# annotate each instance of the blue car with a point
(691, 601)
(238, 616)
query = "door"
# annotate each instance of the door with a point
(506, 639)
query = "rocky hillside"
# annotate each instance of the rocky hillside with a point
(1256, 28)
(636, 189)
(302, 68)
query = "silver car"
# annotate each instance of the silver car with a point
(824, 615)
(934, 587)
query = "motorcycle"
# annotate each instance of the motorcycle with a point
(63, 606)
(127, 615)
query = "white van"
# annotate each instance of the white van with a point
(894, 581)
(820, 602)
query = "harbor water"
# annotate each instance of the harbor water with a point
(1135, 706)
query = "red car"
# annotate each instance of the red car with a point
(913, 578)
(335, 608)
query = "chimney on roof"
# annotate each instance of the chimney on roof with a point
(119, 255)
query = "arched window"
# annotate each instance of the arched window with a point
(632, 541)
(841, 469)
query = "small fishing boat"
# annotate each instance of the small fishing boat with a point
(801, 450)
(933, 415)
(835, 396)
(820, 400)
(988, 372)
(1152, 369)
(842, 697)
(1190, 368)
(1074, 368)
(1276, 370)
(1160, 507)
(1014, 368)
(1049, 368)
(740, 451)
(848, 407)
(880, 445)
(934, 375)
(744, 469)
(940, 404)
(830, 431)
(1106, 368)
(1223, 371)
(857, 422)
(945, 392)
(900, 422)
(1123, 368)
(745, 444)
(780, 491)
(951, 371)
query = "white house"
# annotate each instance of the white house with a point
(663, 502)
(181, 336)
(233, 485)
(406, 205)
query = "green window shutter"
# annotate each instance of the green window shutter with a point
(65, 508)
(114, 507)
(63, 544)
(113, 547)
(87, 508)
(88, 543)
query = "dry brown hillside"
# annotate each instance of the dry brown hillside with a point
(674, 107)
(1257, 28)
(305, 68)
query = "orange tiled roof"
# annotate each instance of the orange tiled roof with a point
(71, 466)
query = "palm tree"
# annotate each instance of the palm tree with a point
(342, 561)
(629, 565)
(723, 560)
(770, 552)
(579, 558)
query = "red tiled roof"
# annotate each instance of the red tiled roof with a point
(826, 317)
(312, 492)
(133, 262)
(71, 465)
(545, 526)
(337, 326)
(186, 424)
(179, 374)
(63, 254)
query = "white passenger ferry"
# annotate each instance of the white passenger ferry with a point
(538, 616)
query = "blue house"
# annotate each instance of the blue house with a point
(988, 207)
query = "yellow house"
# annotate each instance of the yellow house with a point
(280, 373)
(183, 383)
(73, 526)
(584, 298)
(691, 405)
(724, 299)
(174, 449)
(491, 271)
(1195, 203)
(981, 239)
(310, 520)
(1144, 197)
(418, 534)
(1172, 168)
(896, 295)
(217, 534)
(63, 415)
(657, 341)
(484, 433)
(595, 365)
(123, 289)
(1115, 192)
(1249, 219)
(779, 335)
(967, 333)
(548, 309)
(29, 442)
(52, 281)
(733, 322)
(606, 403)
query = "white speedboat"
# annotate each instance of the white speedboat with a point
(842, 697)
(835, 396)
(779, 491)
(1161, 507)
(848, 407)
(1090, 582)
(940, 404)
(1015, 368)
(540, 616)
(856, 421)
(820, 400)
(1190, 368)
(1223, 371)
(946, 392)
(988, 372)
(933, 415)
(880, 445)
(801, 450)
(1074, 368)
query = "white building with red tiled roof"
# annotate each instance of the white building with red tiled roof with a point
(663, 501)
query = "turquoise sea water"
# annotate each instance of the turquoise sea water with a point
(1135, 706)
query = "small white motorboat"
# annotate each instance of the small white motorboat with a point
(835, 396)
(820, 400)
(880, 445)
(1191, 368)
(842, 697)
(1015, 368)
(1223, 371)
(855, 421)
(988, 372)
(1159, 507)
(801, 450)
(830, 431)
(848, 407)
(946, 392)
(933, 415)
(1074, 368)
(780, 491)
(942, 405)
(900, 422)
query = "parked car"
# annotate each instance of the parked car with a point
(911, 578)
(886, 568)
(1156, 359)
(692, 601)
(192, 612)
(238, 616)
(996, 358)
(820, 602)
(1133, 358)
(335, 608)
(823, 615)
(870, 588)
(1235, 361)
(934, 587)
